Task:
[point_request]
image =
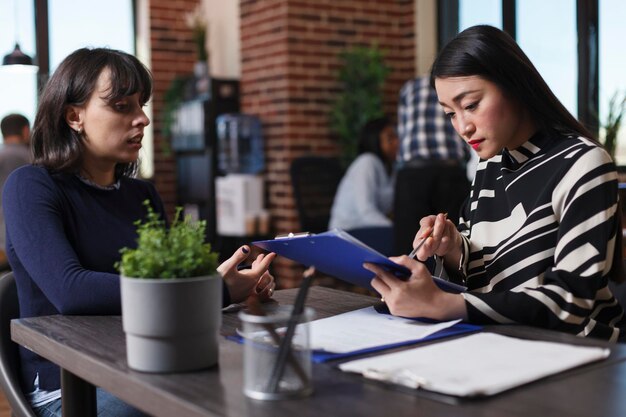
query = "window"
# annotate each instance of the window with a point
(18, 84)
(547, 31)
(71, 25)
(612, 62)
(90, 23)
(556, 59)
(480, 12)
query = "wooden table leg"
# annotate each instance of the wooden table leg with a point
(78, 397)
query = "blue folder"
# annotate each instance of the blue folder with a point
(320, 356)
(339, 254)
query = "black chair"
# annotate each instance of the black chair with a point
(315, 180)
(9, 356)
(425, 187)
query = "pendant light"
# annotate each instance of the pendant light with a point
(17, 57)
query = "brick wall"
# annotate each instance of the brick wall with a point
(289, 53)
(172, 54)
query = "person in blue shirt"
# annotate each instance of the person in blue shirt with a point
(364, 198)
(69, 213)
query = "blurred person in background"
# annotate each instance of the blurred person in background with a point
(14, 153)
(432, 160)
(364, 199)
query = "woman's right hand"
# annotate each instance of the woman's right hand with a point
(444, 241)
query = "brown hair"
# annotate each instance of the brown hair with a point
(55, 145)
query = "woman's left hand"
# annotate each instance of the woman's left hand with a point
(241, 284)
(418, 296)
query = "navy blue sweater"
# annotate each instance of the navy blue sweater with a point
(63, 239)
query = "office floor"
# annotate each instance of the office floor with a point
(5, 411)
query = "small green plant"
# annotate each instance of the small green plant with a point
(197, 22)
(175, 252)
(617, 107)
(172, 99)
(361, 76)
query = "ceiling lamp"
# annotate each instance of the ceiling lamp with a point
(17, 57)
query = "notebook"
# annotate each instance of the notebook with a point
(477, 365)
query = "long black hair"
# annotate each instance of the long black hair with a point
(55, 145)
(369, 139)
(492, 54)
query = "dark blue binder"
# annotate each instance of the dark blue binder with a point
(340, 255)
(321, 356)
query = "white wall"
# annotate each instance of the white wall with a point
(223, 38)
(425, 35)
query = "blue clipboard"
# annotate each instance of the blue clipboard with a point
(339, 254)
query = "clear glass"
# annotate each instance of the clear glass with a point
(546, 32)
(261, 351)
(612, 63)
(480, 12)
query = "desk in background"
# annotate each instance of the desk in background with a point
(91, 351)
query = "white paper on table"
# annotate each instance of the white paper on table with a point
(479, 364)
(366, 328)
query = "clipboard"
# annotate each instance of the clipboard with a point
(341, 255)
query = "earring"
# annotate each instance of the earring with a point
(79, 130)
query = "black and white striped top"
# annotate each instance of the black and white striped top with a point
(539, 235)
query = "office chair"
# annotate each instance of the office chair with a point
(9, 356)
(315, 180)
(425, 187)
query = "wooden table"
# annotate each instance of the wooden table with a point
(91, 352)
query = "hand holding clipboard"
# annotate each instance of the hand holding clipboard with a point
(341, 255)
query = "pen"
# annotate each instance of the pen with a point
(419, 245)
(285, 346)
(254, 305)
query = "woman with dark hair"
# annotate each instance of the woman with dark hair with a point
(69, 213)
(365, 194)
(540, 235)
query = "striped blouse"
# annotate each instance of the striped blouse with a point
(539, 233)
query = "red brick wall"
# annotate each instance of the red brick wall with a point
(289, 53)
(172, 54)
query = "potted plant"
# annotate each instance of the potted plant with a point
(198, 23)
(613, 123)
(361, 77)
(171, 296)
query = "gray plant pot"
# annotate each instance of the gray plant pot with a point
(171, 325)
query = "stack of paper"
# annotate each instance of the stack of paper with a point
(366, 329)
(475, 365)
